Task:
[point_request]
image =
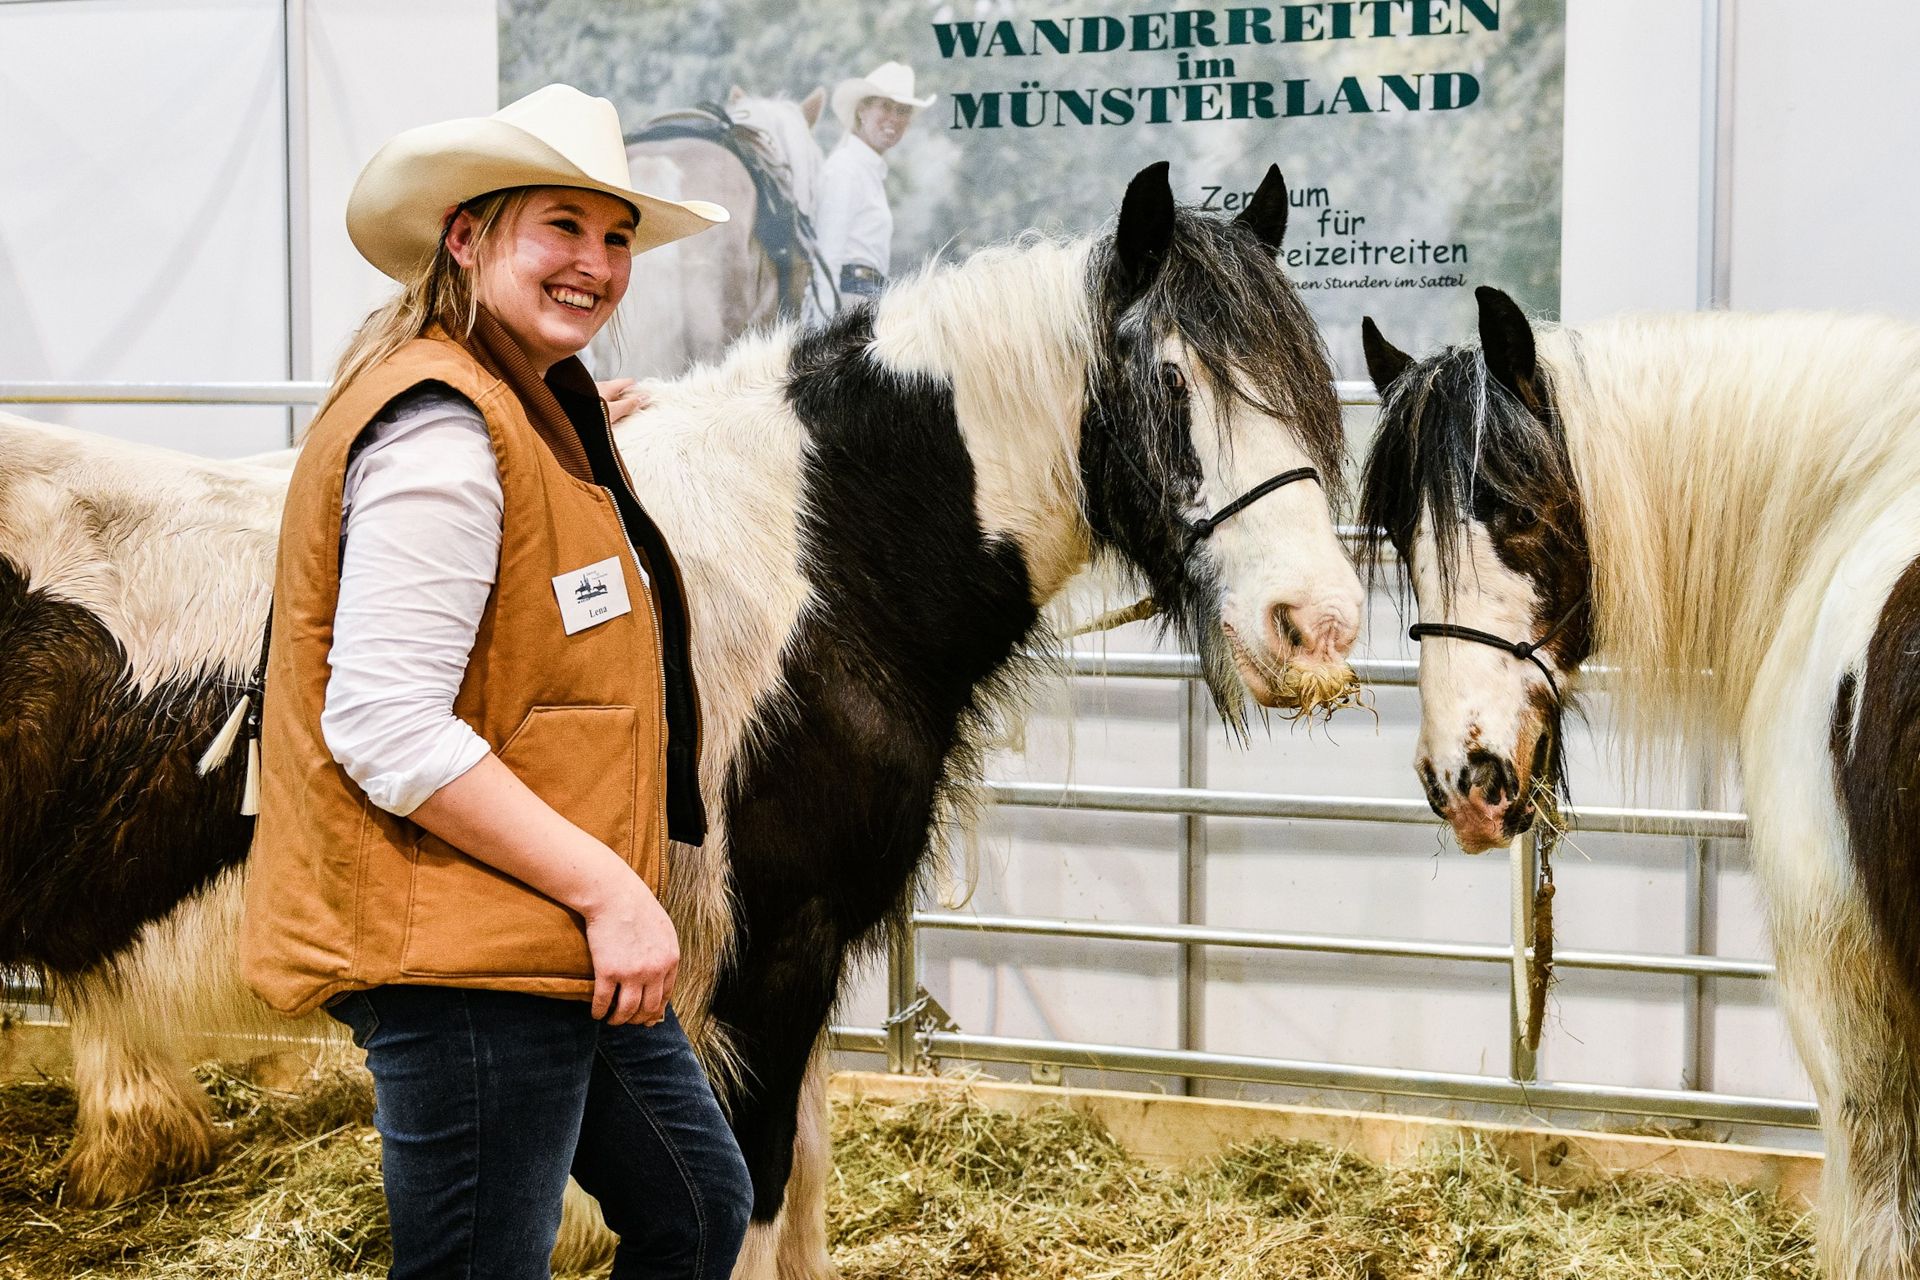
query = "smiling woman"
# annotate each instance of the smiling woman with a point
(559, 272)
(478, 727)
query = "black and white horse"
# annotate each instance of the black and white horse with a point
(869, 517)
(1728, 508)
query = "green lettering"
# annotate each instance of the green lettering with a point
(1409, 94)
(1297, 99)
(976, 111)
(1251, 99)
(1485, 12)
(1005, 39)
(1054, 33)
(1102, 35)
(964, 36)
(1298, 23)
(1453, 90)
(1077, 104)
(1249, 26)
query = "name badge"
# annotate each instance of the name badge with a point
(590, 596)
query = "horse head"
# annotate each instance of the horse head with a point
(1470, 480)
(1209, 380)
(787, 127)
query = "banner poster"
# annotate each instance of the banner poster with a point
(1420, 141)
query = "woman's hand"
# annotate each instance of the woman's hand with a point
(636, 954)
(623, 396)
(491, 815)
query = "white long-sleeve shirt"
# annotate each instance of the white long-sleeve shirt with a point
(420, 549)
(853, 221)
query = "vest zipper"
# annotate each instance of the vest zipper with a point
(659, 639)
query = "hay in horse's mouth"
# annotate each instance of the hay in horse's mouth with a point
(1300, 691)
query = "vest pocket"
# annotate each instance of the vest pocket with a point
(467, 919)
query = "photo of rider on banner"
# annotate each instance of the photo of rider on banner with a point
(855, 142)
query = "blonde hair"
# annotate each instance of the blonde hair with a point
(440, 292)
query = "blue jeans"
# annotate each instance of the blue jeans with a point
(488, 1099)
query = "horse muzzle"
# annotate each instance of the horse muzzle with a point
(1488, 803)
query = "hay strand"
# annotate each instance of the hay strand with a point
(936, 1189)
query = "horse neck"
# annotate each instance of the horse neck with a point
(1725, 462)
(1011, 331)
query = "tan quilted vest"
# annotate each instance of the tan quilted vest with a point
(342, 895)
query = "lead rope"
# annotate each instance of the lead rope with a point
(245, 717)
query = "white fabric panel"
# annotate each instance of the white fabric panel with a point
(374, 68)
(143, 225)
(1824, 141)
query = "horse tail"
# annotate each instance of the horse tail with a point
(1876, 753)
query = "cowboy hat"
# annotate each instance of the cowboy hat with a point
(890, 80)
(553, 137)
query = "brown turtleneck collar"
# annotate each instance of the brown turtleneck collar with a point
(503, 357)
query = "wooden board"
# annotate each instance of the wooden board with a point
(1170, 1130)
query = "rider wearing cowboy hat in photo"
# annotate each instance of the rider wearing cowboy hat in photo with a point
(480, 729)
(853, 223)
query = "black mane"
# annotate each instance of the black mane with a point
(1454, 441)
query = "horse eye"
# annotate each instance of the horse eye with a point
(1175, 380)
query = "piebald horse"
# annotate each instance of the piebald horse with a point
(869, 517)
(1728, 508)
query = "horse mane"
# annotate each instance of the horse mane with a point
(1722, 464)
(1242, 321)
(1728, 461)
(1449, 432)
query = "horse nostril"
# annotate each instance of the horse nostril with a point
(1280, 622)
(1492, 775)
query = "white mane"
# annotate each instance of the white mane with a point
(1726, 462)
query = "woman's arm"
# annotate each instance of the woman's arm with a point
(421, 542)
(489, 814)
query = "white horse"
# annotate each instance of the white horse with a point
(868, 517)
(688, 301)
(1727, 507)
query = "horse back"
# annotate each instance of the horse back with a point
(133, 582)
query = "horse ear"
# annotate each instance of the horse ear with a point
(1146, 227)
(1506, 343)
(1266, 214)
(735, 94)
(811, 105)
(1385, 362)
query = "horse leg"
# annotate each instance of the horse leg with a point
(1835, 816)
(801, 1253)
(143, 1121)
(1859, 1048)
(793, 1246)
(772, 1004)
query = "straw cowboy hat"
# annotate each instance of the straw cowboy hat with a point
(890, 80)
(553, 137)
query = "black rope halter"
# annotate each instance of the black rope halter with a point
(1525, 649)
(1205, 525)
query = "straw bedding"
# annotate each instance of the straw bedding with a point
(937, 1188)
